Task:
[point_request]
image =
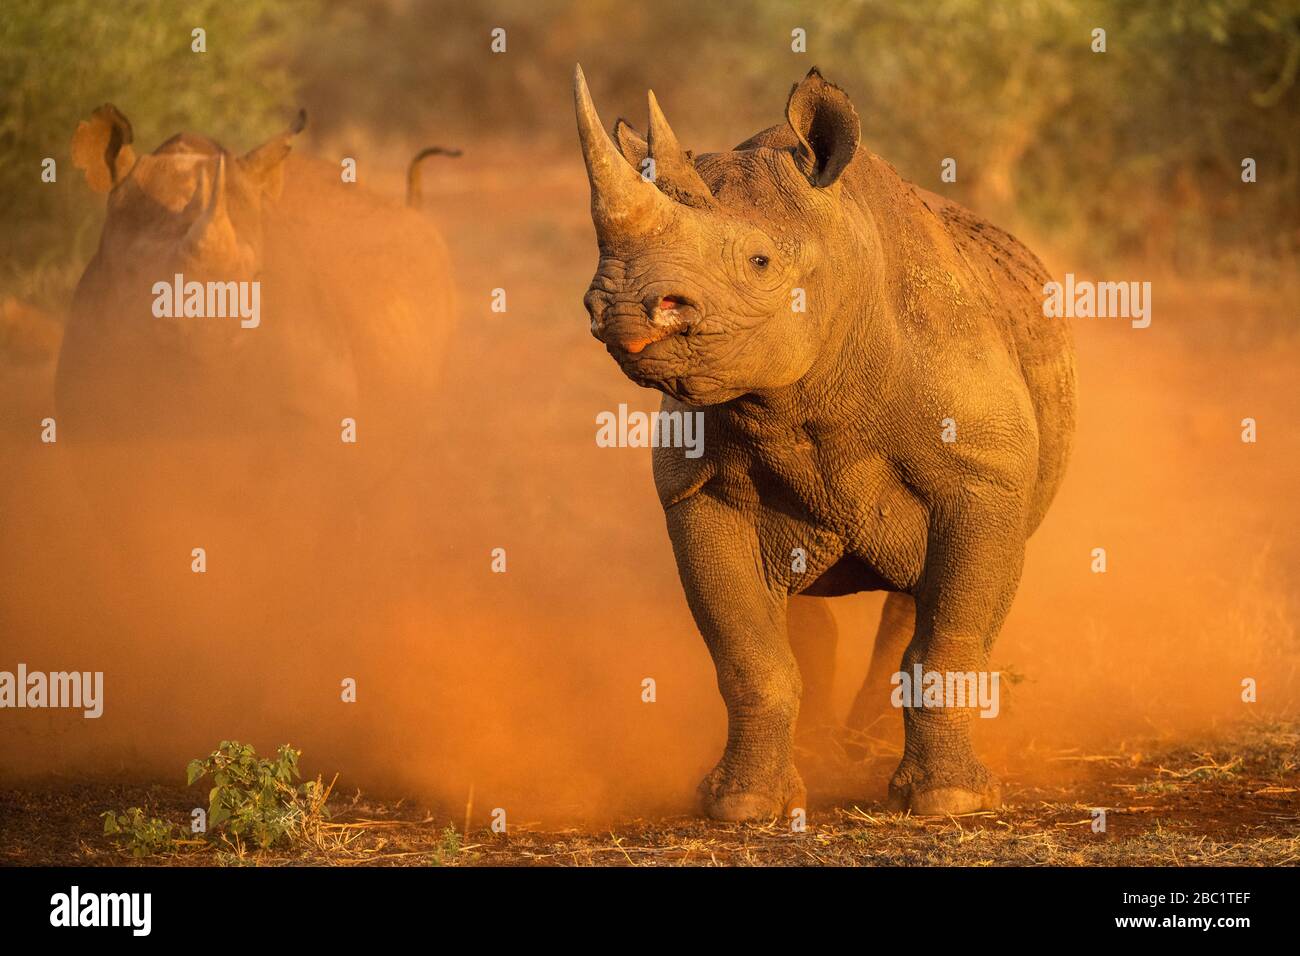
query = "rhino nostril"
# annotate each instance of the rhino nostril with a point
(670, 302)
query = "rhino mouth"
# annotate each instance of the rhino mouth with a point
(666, 317)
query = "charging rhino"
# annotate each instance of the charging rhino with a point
(885, 409)
(238, 310)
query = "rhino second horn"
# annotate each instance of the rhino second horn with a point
(674, 173)
(621, 200)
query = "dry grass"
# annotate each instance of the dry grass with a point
(1234, 800)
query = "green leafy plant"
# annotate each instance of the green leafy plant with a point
(138, 833)
(447, 847)
(253, 800)
(257, 799)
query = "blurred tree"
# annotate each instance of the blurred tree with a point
(1131, 152)
(1135, 151)
(60, 60)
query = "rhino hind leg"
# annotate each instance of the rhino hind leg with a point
(872, 712)
(812, 632)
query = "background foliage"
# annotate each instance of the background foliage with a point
(60, 59)
(1132, 153)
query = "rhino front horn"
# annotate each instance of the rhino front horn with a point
(621, 200)
(211, 239)
(674, 173)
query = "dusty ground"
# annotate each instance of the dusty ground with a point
(526, 686)
(1231, 802)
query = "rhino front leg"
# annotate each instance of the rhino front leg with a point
(976, 554)
(743, 620)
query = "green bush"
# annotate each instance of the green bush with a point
(140, 834)
(252, 800)
(447, 848)
(256, 798)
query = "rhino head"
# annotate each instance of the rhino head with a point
(189, 206)
(704, 259)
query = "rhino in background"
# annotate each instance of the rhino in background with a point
(823, 428)
(354, 295)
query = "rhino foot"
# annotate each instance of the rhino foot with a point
(969, 790)
(722, 799)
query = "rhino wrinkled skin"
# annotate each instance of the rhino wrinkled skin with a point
(823, 428)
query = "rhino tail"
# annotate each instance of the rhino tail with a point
(413, 195)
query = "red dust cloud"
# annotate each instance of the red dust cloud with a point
(526, 686)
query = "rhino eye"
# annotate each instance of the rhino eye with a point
(759, 261)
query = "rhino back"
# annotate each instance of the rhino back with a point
(377, 269)
(1044, 346)
(949, 278)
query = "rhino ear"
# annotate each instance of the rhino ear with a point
(101, 147)
(265, 164)
(631, 144)
(826, 125)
